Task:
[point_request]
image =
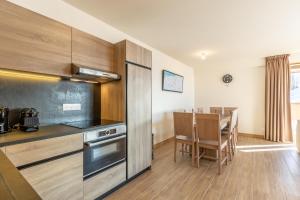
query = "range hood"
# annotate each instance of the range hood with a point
(92, 74)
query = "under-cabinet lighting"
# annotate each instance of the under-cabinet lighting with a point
(80, 80)
(19, 74)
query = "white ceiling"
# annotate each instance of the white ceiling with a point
(227, 29)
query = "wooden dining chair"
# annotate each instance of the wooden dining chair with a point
(208, 136)
(184, 133)
(216, 110)
(227, 111)
(200, 110)
(230, 133)
(188, 110)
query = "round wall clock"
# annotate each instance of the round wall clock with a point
(227, 78)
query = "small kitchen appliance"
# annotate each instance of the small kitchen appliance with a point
(29, 120)
(4, 122)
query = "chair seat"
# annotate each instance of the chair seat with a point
(214, 143)
(183, 137)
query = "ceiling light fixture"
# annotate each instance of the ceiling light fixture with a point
(203, 54)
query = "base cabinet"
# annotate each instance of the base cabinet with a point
(101, 183)
(59, 179)
(30, 152)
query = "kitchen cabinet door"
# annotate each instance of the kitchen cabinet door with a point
(59, 179)
(103, 182)
(139, 119)
(137, 54)
(32, 42)
(91, 51)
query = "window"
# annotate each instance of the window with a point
(295, 86)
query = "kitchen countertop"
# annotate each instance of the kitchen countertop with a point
(45, 132)
(12, 184)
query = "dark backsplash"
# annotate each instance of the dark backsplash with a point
(48, 98)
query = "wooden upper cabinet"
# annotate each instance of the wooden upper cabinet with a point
(32, 42)
(91, 51)
(137, 54)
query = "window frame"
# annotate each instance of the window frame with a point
(294, 68)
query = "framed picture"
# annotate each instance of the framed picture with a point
(172, 82)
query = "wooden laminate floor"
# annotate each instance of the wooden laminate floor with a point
(260, 170)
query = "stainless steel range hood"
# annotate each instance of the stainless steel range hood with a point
(91, 74)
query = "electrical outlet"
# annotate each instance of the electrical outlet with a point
(71, 107)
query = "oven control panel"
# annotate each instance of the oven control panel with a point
(100, 133)
(107, 132)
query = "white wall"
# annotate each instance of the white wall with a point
(247, 91)
(163, 102)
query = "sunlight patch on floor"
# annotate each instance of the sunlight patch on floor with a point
(266, 147)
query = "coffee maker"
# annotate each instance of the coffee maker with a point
(4, 125)
(29, 120)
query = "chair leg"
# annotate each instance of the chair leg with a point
(220, 161)
(229, 149)
(193, 154)
(182, 149)
(236, 135)
(226, 154)
(233, 145)
(175, 149)
(198, 155)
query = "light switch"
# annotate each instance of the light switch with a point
(71, 107)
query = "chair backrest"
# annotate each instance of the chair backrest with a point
(217, 110)
(200, 110)
(227, 110)
(233, 120)
(188, 110)
(208, 127)
(183, 123)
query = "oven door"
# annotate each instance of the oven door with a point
(102, 154)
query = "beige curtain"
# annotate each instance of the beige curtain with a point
(278, 107)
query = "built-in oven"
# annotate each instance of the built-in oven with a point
(103, 148)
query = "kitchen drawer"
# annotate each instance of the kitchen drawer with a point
(105, 181)
(58, 179)
(26, 153)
